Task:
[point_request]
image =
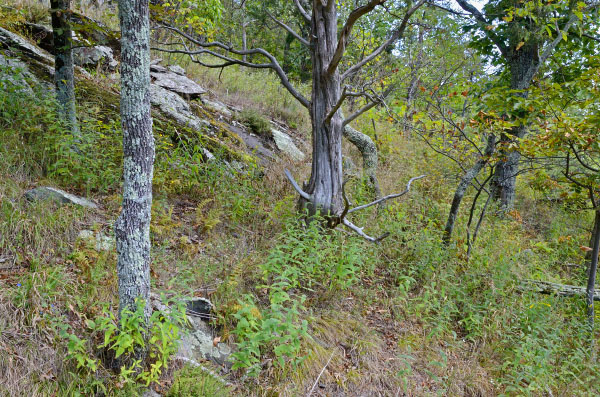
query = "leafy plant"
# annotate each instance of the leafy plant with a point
(256, 122)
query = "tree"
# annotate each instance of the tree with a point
(521, 32)
(63, 64)
(330, 89)
(132, 228)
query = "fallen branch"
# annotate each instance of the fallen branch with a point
(359, 231)
(545, 287)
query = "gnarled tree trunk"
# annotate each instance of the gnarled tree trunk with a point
(325, 184)
(64, 80)
(132, 228)
(368, 151)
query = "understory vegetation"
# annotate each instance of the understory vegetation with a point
(302, 307)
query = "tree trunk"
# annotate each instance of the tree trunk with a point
(325, 184)
(523, 64)
(63, 64)
(132, 228)
(368, 151)
(592, 272)
(464, 184)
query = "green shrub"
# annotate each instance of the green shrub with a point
(256, 122)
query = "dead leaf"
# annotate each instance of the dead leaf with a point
(216, 341)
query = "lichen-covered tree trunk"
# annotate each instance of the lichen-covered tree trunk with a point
(63, 64)
(325, 184)
(368, 151)
(132, 228)
(523, 66)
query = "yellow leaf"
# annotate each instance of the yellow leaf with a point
(521, 44)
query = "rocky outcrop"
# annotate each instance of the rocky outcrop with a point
(285, 143)
(177, 108)
(58, 196)
(92, 57)
(15, 75)
(175, 81)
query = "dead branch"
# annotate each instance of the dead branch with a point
(301, 192)
(273, 64)
(289, 30)
(359, 231)
(545, 287)
(388, 197)
(395, 35)
(302, 11)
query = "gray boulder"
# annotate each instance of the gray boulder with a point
(176, 108)
(14, 75)
(98, 240)
(94, 56)
(217, 107)
(58, 196)
(199, 344)
(177, 70)
(177, 83)
(285, 143)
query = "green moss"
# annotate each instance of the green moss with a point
(256, 122)
(194, 382)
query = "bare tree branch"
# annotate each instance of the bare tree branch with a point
(273, 64)
(368, 106)
(388, 197)
(347, 29)
(301, 192)
(396, 34)
(483, 22)
(359, 231)
(302, 11)
(289, 30)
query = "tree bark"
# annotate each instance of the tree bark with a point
(132, 228)
(368, 151)
(325, 184)
(63, 64)
(464, 184)
(592, 271)
(523, 64)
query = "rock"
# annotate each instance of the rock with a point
(285, 143)
(150, 393)
(177, 70)
(177, 83)
(209, 156)
(217, 107)
(199, 344)
(14, 75)
(99, 241)
(254, 144)
(177, 108)
(158, 68)
(58, 196)
(9, 40)
(43, 35)
(94, 56)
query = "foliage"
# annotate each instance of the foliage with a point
(194, 382)
(256, 122)
(123, 341)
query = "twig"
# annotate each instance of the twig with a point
(320, 374)
(295, 185)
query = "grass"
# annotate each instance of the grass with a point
(409, 315)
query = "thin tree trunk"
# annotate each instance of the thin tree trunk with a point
(63, 64)
(592, 272)
(325, 184)
(464, 184)
(132, 228)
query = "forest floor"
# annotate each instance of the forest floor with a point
(407, 317)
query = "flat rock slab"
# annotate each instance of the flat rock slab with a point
(94, 56)
(176, 108)
(58, 196)
(177, 83)
(285, 143)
